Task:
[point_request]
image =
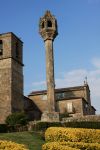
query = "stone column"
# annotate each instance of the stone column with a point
(50, 75)
(48, 31)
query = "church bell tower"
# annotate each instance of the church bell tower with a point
(11, 75)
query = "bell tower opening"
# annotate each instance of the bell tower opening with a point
(42, 24)
(17, 50)
(1, 47)
(49, 24)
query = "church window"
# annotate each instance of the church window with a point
(44, 97)
(60, 95)
(1, 47)
(70, 107)
(49, 23)
(17, 50)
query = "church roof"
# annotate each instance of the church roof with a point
(60, 90)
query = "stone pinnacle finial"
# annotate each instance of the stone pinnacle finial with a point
(48, 26)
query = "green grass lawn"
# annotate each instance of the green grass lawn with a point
(32, 140)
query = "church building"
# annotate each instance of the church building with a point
(75, 101)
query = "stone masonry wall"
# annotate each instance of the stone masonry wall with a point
(5, 89)
(92, 118)
(76, 106)
(40, 102)
(17, 87)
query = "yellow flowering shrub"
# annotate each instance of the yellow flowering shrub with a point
(9, 145)
(61, 134)
(71, 146)
(82, 145)
(56, 146)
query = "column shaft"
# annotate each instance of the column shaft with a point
(50, 75)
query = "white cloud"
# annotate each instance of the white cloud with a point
(39, 85)
(96, 62)
(77, 77)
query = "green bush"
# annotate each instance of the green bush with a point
(63, 115)
(42, 126)
(16, 119)
(3, 128)
(82, 124)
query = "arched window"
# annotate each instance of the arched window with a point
(49, 24)
(17, 51)
(1, 47)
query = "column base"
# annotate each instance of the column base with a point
(50, 117)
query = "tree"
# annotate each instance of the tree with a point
(18, 118)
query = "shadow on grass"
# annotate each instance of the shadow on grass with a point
(32, 140)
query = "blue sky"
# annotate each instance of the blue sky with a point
(76, 48)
